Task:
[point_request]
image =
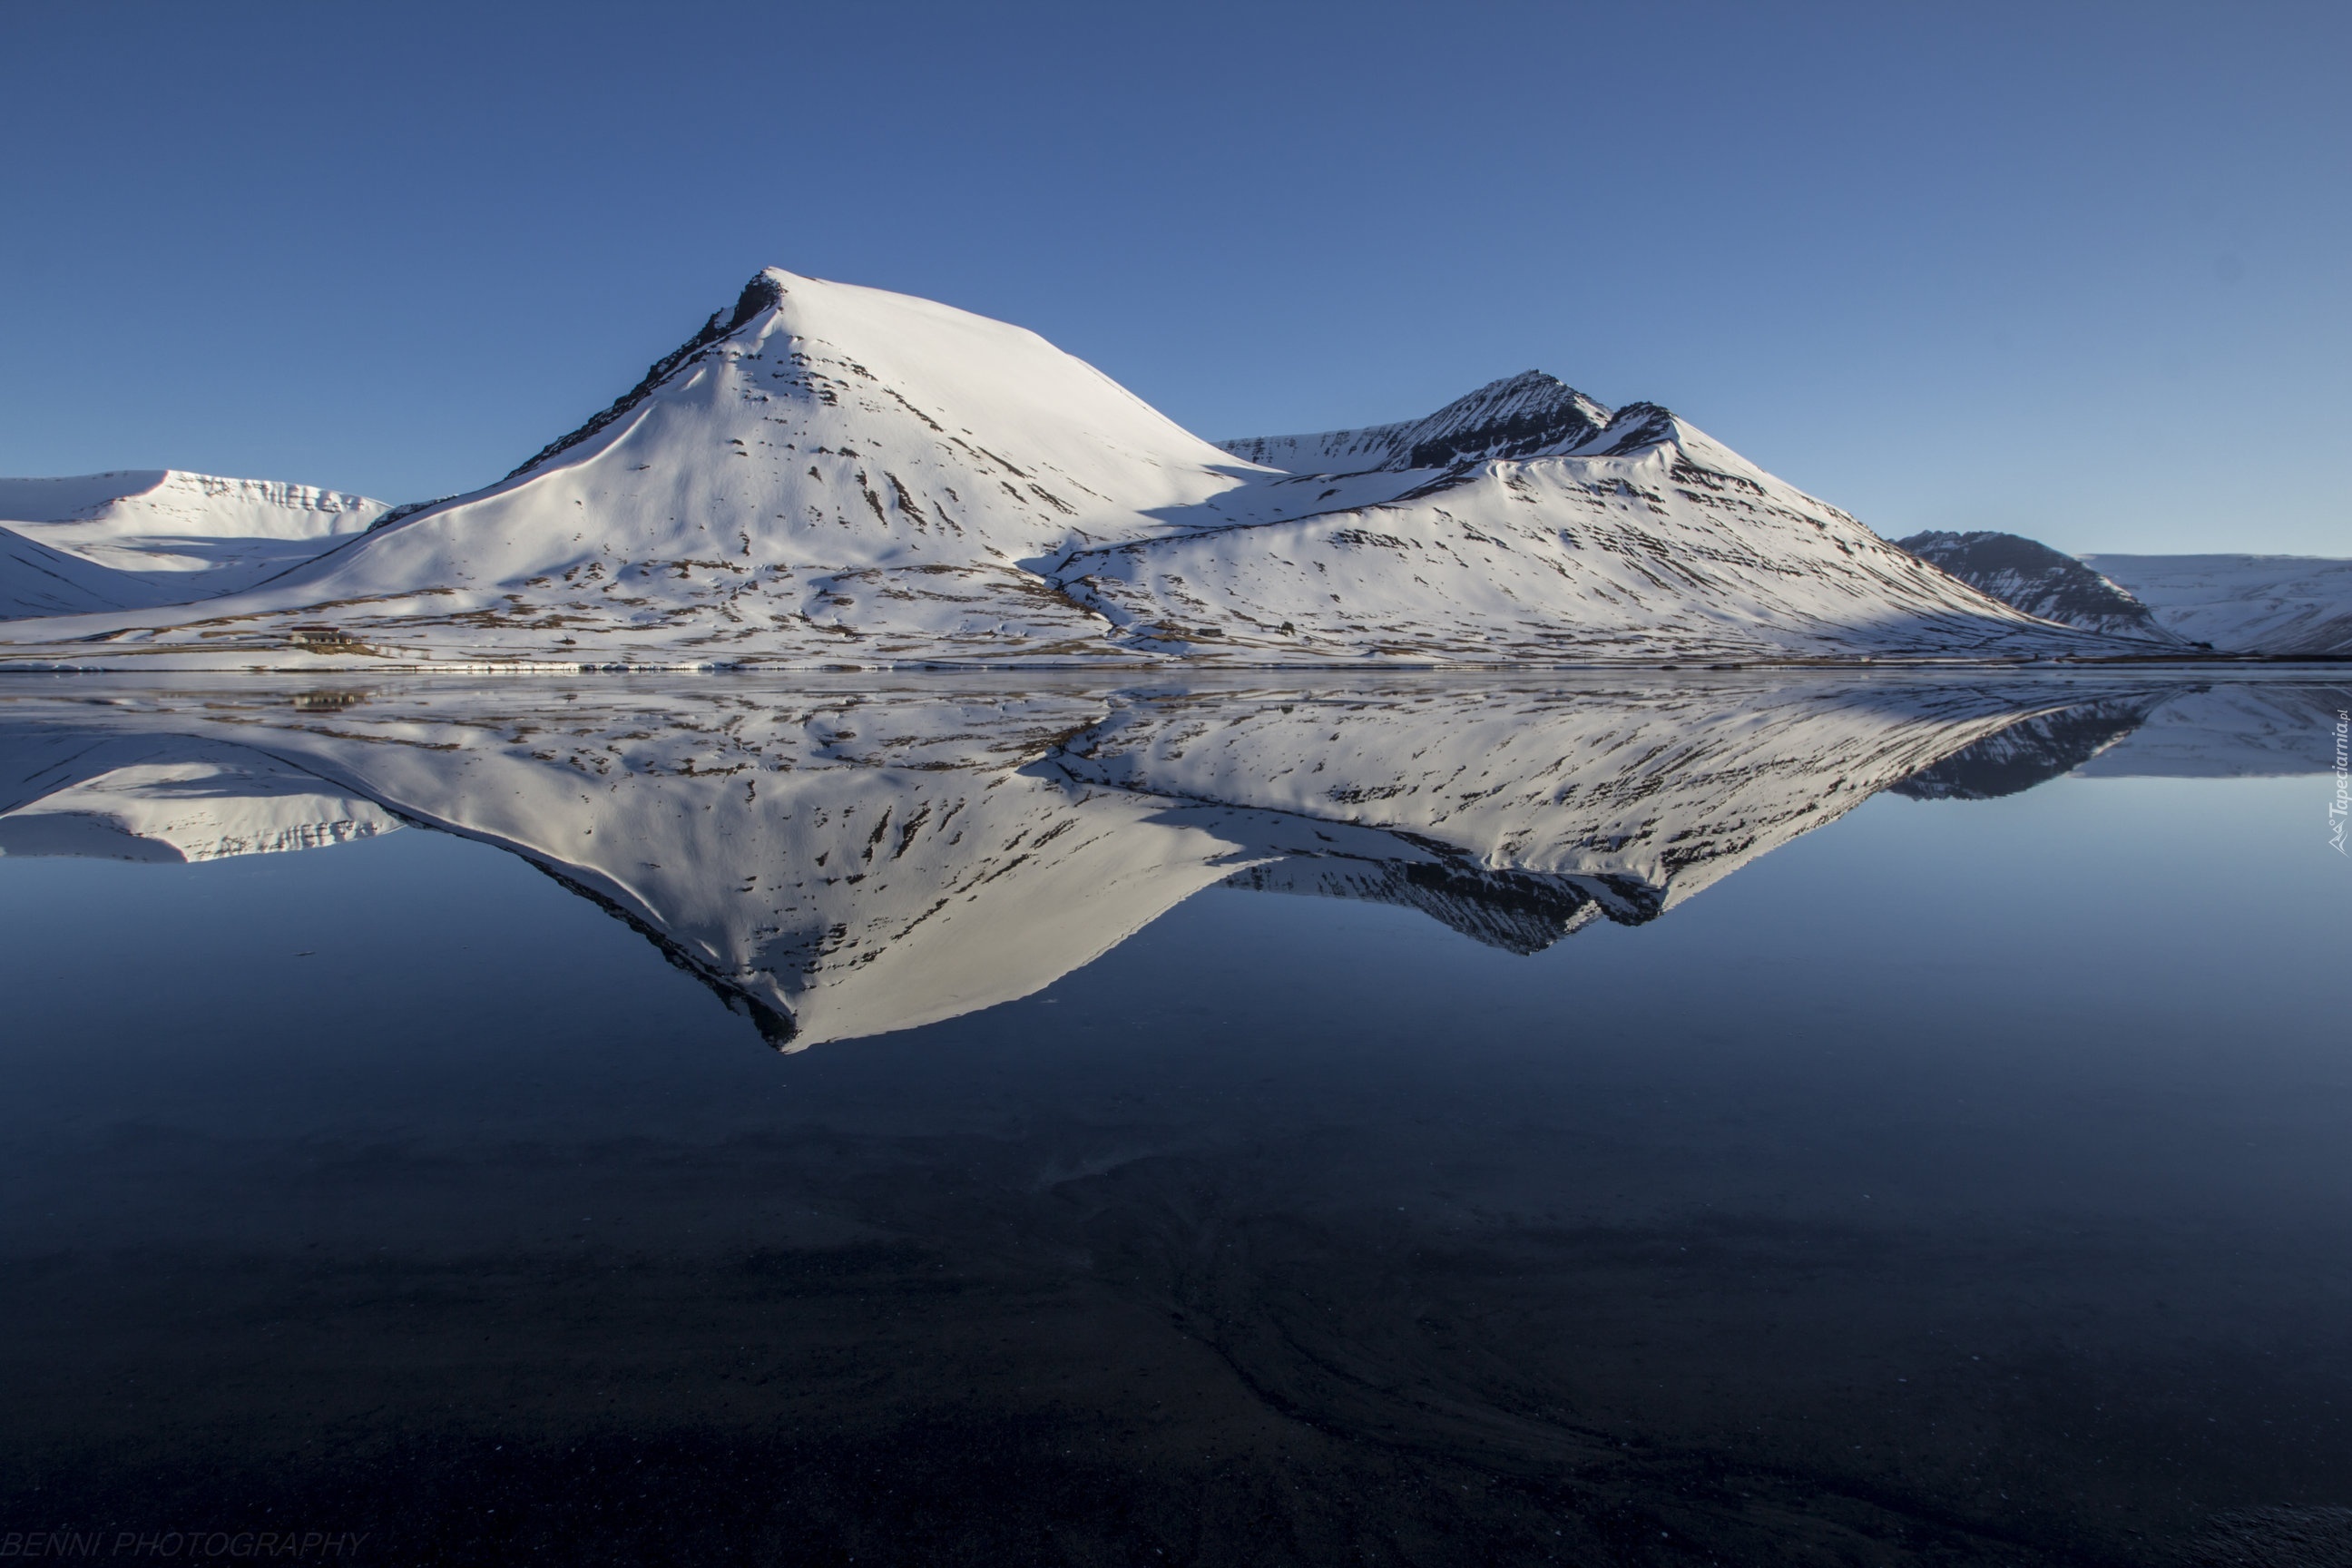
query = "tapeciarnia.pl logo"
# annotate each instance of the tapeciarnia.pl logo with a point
(2341, 807)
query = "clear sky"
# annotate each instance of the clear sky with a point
(2079, 271)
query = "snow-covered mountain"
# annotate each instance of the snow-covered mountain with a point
(831, 474)
(2246, 603)
(838, 862)
(1642, 540)
(159, 536)
(823, 473)
(2039, 580)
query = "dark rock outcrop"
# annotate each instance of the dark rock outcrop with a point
(2029, 575)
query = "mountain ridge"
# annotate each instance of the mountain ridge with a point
(1516, 415)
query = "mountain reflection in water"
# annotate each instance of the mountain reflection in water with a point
(1964, 1183)
(850, 860)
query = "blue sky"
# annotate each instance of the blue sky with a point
(2074, 270)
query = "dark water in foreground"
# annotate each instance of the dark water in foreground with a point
(1957, 1176)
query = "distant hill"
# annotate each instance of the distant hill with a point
(2041, 581)
(161, 536)
(2285, 605)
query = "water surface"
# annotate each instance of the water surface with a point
(1650, 1119)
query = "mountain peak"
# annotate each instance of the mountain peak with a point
(1517, 417)
(1520, 415)
(1533, 414)
(1633, 426)
(765, 291)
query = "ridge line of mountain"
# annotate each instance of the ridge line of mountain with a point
(762, 292)
(825, 472)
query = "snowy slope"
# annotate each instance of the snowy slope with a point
(176, 536)
(36, 580)
(834, 474)
(2244, 604)
(2039, 580)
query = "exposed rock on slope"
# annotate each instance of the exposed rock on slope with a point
(1527, 413)
(834, 474)
(2039, 580)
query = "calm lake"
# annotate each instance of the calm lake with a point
(1660, 1118)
